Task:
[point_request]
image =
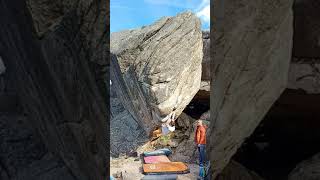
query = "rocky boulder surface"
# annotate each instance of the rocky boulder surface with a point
(251, 52)
(306, 28)
(307, 170)
(162, 64)
(57, 71)
(124, 126)
(234, 170)
(2, 67)
(206, 61)
(305, 74)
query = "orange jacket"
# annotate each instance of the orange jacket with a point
(200, 137)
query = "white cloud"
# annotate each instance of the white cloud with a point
(200, 7)
(203, 4)
(204, 14)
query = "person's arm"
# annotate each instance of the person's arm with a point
(165, 119)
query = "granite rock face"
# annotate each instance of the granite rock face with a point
(162, 62)
(251, 52)
(306, 28)
(234, 170)
(305, 74)
(307, 170)
(185, 130)
(88, 18)
(2, 67)
(206, 61)
(58, 79)
(124, 126)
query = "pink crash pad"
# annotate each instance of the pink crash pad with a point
(156, 159)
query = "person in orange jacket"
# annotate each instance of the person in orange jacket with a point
(200, 140)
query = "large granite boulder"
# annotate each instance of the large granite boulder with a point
(234, 170)
(161, 66)
(307, 170)
(251, 50)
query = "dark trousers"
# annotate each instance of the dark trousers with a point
(201, 148)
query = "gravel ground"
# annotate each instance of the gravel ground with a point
(131, 169)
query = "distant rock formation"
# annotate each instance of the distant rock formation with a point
(307, 170)
(160, 66)
(251, 52)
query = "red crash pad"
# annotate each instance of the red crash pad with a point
(155, 159)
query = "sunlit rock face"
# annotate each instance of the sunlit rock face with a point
(251, 50)
(160, 65)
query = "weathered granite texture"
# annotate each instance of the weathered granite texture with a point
(23, 154)
(56, 78)
(206, 61)
(163, 62)
(305, 74)
(2, 67)
(252, 44)
(306, 28)
(307, 170)
(234, 170)
(126, 131)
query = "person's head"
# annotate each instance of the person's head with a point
(199, 122)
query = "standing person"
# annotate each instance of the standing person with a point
(200, 139)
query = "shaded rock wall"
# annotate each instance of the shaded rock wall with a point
(306, 28)
(288, 134)
(304, 74)
(307, 170)
(126, 130)
(60, 91)
(251, 52)
(206, 61)
(235, 170)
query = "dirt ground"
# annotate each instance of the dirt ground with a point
(131, 169)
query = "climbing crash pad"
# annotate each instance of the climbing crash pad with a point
(156, 159)
(164, 151)
(161, 177)
(166, 168)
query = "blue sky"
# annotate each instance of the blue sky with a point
(129, 14)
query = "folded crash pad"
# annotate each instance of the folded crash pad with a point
(166, 168)
(164, 151)
(160, 177)
(156, 159)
